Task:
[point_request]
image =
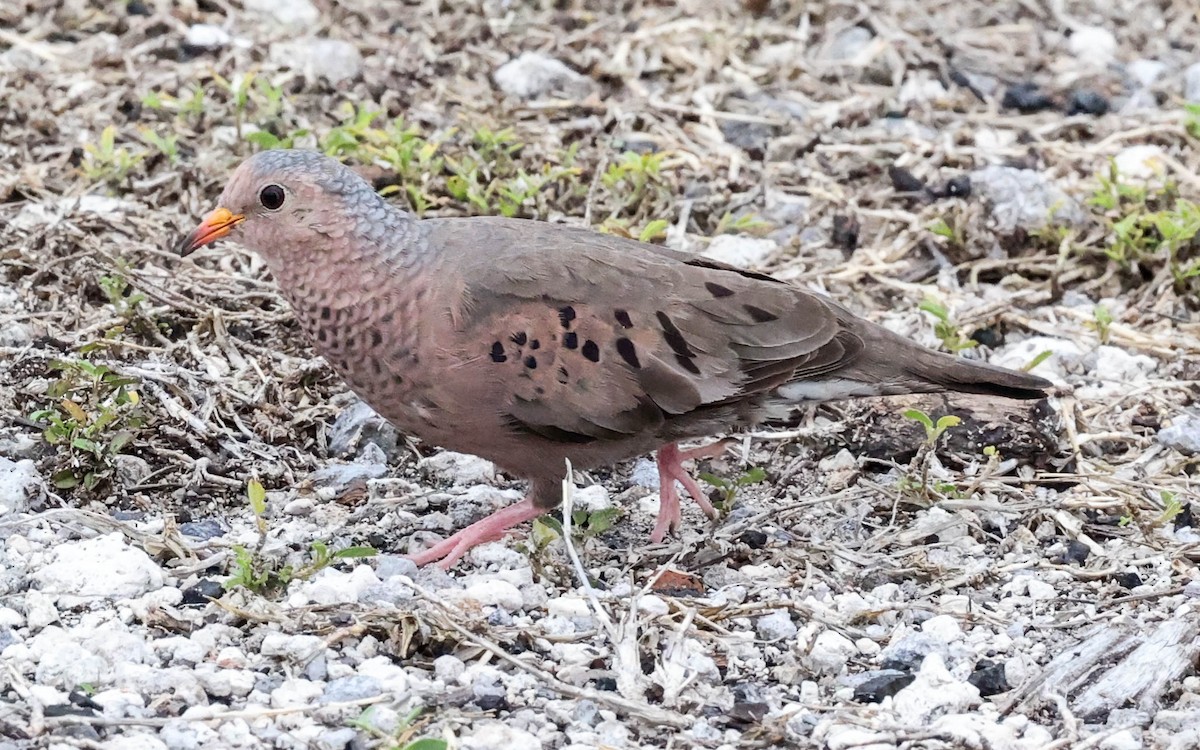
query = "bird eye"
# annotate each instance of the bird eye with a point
(271, 197)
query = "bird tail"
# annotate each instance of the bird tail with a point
(898, 365)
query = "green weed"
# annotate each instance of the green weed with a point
(253, 571)
(104, 161)
(944, 328)
(95, 416)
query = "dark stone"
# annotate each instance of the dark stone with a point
(904, 181)
(989, 678)
(1026, 98)
(128, 515)
(883, 683)
(845, 232)
(989, 337)
(137, 8)
(753, 539)
(1128, 580)
(1087, 102)
(207, 528)
(1186, 517)
(198, 594)
(1077, 553)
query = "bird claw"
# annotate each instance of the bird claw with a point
(448, 551)
(670, 470)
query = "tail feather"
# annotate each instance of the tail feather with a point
(901, 366)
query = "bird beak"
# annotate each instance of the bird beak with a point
(215, 226)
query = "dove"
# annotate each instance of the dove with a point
(530, 344)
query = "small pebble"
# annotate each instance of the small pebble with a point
(989, 678)
(881, 684)
(201, 592)
(1026, 98)
(1087, 102)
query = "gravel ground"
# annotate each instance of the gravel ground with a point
(200, 527)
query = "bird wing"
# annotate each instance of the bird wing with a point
(586, 336)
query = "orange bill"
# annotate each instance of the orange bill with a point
(215, 226)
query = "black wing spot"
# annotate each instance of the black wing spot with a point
(673, 336)
(566, 315)
(563, 375)
(535, 344)
(760, 315)
(571, 340)
(628, 352)
(498, 354)
(717, 290)
(387, 317)
(531, 362)
(622, 317)
(376, 338)
(591, 351)
(519, 338)
(688, 364)
(326, 313)
(323, 335)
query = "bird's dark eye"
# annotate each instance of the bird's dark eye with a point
(271, 197)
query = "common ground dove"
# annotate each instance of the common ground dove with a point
(528, 343)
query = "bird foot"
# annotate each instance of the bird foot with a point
(448, 551)
(670, 470)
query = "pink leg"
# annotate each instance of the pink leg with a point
(485, 530)
(670, 469)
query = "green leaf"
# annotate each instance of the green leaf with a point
(64, 480)
(257, 497)
(942, 229)
(264, 139)
(946, 422)
(84, 444)
(546, 529)
(714, 480)
(654, 230)
(919, 416)
(602, 520)
(1040, 358)
(934, 308)
(752, 476)
(353, 552)
(427, 743)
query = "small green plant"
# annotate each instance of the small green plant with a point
(104, 161)
(252, 571)
(401, 737)
(1149, 227)
(190, 106)
(94, 417)
(933, 430)
(747, 223)
(120, 295)
(585, 525)
(1172, 507)
(730, 487)
(635, 183)
(1101, 321)
(1191, 119)
(1038, 358)
(953, 231)
(944, 328)
(916, 483)
(167, 145)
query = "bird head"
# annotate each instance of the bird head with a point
(285, 203)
